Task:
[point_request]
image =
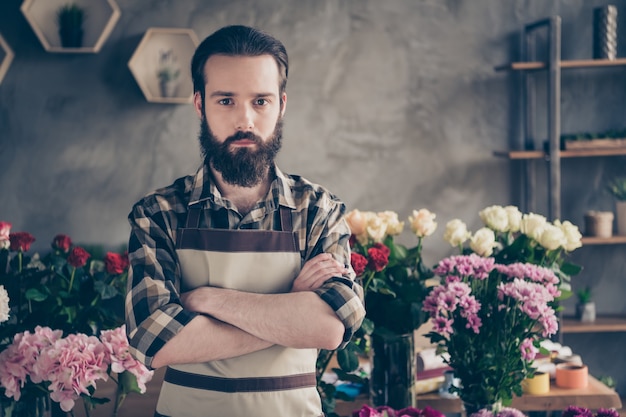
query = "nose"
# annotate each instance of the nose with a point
(245, 119)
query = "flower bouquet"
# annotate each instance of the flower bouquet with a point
(394, 279)
(498, 300)
(51, 309)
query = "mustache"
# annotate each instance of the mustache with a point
(241, 136)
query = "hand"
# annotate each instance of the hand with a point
(316, 271)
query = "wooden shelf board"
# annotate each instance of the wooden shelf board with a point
(613, 240)
(578, 153)
(601, 324)
(576, 63)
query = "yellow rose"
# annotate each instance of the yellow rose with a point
(515, 218)
(394, 225)
(423, 222)
(456, 233)
(532, 225)
(552, 237)
(572, 235)
(483, 241)
(495, 217)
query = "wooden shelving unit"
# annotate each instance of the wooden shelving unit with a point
(6, 57)
(101, 18)
(577, 63)
(601, 324)
(613, 240)
(578, 153)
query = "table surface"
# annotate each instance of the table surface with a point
(596, 395)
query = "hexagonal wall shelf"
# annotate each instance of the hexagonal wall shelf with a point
(100, 17)
(161, 63)
(6, 56)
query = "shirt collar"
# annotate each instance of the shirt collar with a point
(203, 189)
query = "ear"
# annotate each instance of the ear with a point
(283, 98)
(197, 103)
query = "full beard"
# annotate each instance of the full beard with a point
(244, 167)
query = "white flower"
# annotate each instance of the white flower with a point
(356, 222)
(552, 237)
(456, 232)
(376, 228)
(483, 241)
(532, 225)
(515, 218)
(495, 217)
(394, 225)
(423, 222)
(572, 235)
(4, 304)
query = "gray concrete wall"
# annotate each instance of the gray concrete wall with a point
(393, 105)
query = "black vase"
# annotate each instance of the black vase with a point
(71, 37)
(393, 371)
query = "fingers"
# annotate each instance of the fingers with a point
(317, 271)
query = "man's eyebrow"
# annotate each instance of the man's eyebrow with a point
(222, 94)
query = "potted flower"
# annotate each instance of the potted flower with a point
(53, 308)
(70, 19)
(585, 308)
(168, 71)
(497, 300)
(617, 188)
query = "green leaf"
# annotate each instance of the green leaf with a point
(570, 268)
(348, 359)
(128, 383)
(34, 294)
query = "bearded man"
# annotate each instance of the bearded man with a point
(239, 273)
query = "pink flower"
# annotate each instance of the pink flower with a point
(18, 360)
(529, 351)
(116, 344)
(72, 365)
(366, 411)
(5, 230)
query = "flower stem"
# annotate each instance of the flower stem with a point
(71, 280)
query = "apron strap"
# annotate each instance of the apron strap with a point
(194, 214)
(193, 218)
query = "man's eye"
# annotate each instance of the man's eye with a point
(225, 101)
(260, 102)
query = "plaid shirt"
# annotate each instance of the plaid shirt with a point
(154, 313)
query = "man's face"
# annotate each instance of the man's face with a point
(241, 117)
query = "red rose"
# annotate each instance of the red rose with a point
(116, 263)
(378, 257)
(358, 262)
(21, 241)
(62, 243)
(382, 247)
(78, 257)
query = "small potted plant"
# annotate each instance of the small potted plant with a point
(70, 19)
(167, 73)
(617, 188)
(585, 308)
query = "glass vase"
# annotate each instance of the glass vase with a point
(393, 370)
(28, 407)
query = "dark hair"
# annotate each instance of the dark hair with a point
(238, 41)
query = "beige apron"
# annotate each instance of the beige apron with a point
(277, 381)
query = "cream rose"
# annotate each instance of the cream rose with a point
(376, 228)
(532, 225)
(423, 222)
(456, 233)
(572, 235)
(4, 304)
(552, 237)
(515, 218)
(356, 222)
(495, 217)
(483, 241)
(394, 225)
